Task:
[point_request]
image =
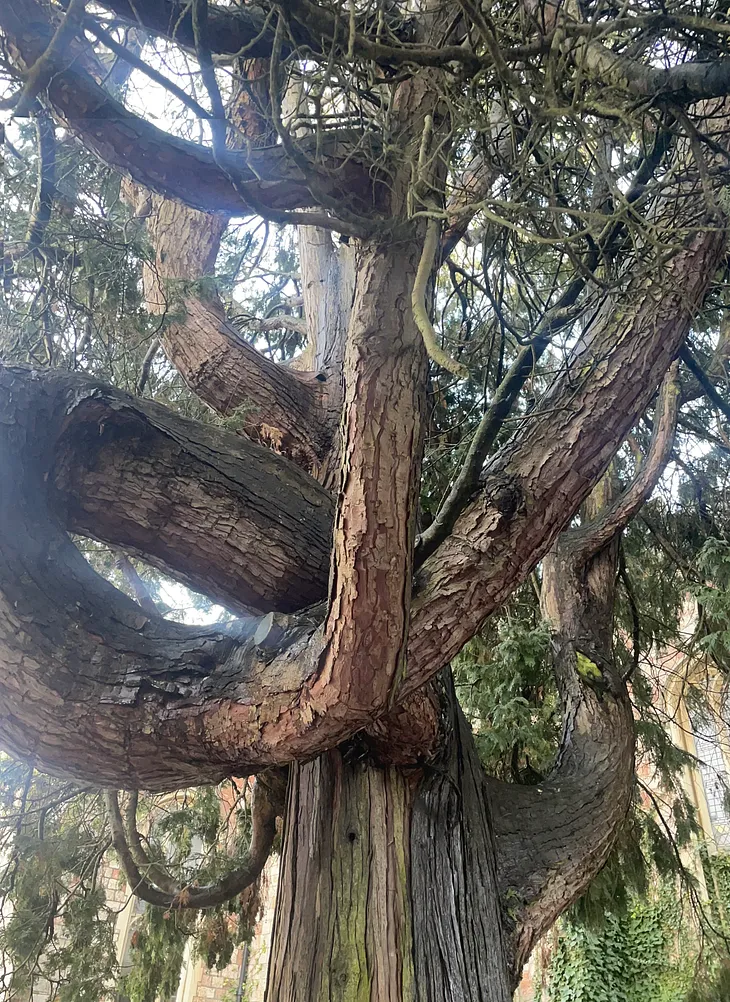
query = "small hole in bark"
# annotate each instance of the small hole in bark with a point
(352, 836)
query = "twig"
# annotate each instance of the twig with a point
(109, 42)
(207, 70)
(136, 584)
(418, 301)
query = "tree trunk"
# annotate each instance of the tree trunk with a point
(388, 889)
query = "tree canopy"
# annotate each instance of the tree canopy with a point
(366, 322)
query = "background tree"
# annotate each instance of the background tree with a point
(546, 184)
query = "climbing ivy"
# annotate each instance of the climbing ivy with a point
(661, 947)
(632, 959)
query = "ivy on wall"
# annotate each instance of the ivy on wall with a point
(632, 959)
(656, 950)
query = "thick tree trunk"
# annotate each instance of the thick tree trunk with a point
(388, 889)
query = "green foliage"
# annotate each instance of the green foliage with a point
(631, 959)
(659, 945)
(85, 955)
(158, 945)
(713, 563)
(57, 926)
(505, 685)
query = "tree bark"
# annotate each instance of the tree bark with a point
(272, 404)
(388, 885)
(227, 517)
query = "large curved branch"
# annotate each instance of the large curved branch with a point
(536, 482)
(154, 873)
(584, 801)
(159, 161)
(227, 517)
(580, 808)
(143, 877)
(94, 687)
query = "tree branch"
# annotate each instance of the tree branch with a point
(153, 872)
(558, 317)
(135, 582)
(704, 380)
(535, 480)
(144, 372)
(265, 809)
(171, 166)
(240, 31)
(684, 83)
(228, 518)
(591, 538)
(584, 801)
(272, 404)
(40, 214)
(39, 75)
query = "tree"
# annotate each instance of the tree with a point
(585, 159)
